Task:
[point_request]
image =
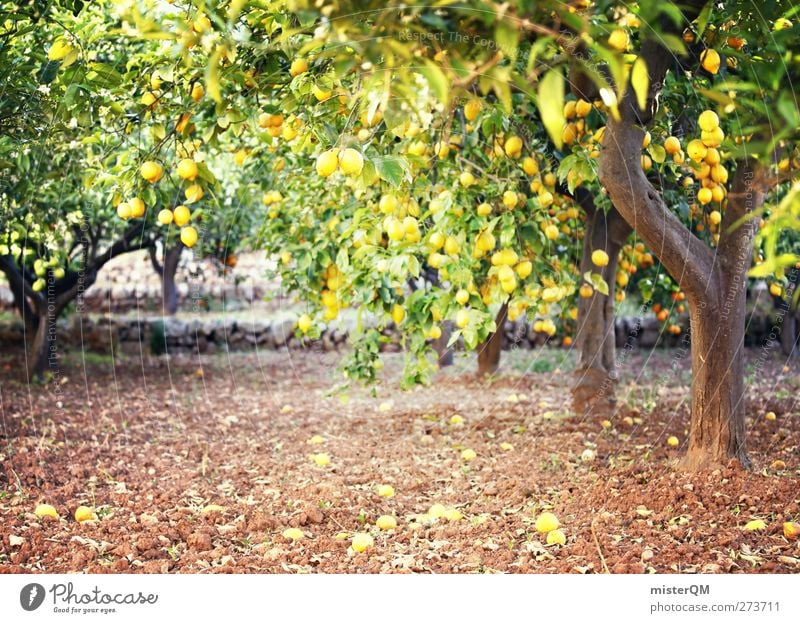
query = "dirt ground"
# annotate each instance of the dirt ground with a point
(199, 465)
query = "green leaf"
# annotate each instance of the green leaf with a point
(773, 265)
(551, 104)
(506, 35)
(640, 81)
(657, 153)
(437, 80)
(787, 106)
(212, 76)
(597, 282)
(390, 169)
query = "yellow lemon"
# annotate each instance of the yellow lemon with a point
(45, 510)
(189, 236)
(468, 454)
(187, 169)
(452, 514)
(600, 257)
(708, 120)
(710, 60)
(351, 162)
(181, 215)
(755, 525)
(672, 145)
(293, 534)
(327, 162)
(84, 513)
(386, 491)
(462, 318)
(321, 459)
(618, 40)
(151, 171)
(197, 92)
(556, 537)
(124, 210)
(696, 150)
(298, 66)
(791, 530)
(513, 147)
(529, 166)
(524, 269)
(137, 207)
(546, 522)
(715, 218)
(673, 441)
(551, 232)
(456, 420)
(386, 522)
(320, 94)
(510, 199)
(471, 109)
(362, 542)
(398, 313)
(304, 323)
(193, 193)
(704, 196)
(770, 416)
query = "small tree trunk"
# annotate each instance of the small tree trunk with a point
(718, 398)
(169, 290)
(789, 312)
(593, 388)
(440, 346)
(489, 351)
(718, 313)
(43, 356)
(789, 333)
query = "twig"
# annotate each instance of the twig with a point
(599, 551)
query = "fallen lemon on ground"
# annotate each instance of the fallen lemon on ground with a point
(452, 514)
(84, 513)
(316, 440)
(437, 511)
(468, 454)
(361, 542)
(755, 525)
(321, 459)
(506, 447)
(386, 522)
(386, 491)
(556, 537)
(547, 522)
(46, 510)
(791, 530)
(456, 420)
(770, 416)
(673, 442)
(293, 534)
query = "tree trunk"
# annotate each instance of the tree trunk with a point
(489, 351)
(788, 313)
(43, 356)
(718, 398)
(595, 377)
(789, 333)
(440, 346)
(169, 290)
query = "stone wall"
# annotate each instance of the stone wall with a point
(129, 282)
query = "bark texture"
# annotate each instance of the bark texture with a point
(167, 270)
(489, 351)
(593, 388)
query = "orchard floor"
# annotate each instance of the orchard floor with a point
(151, 443)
